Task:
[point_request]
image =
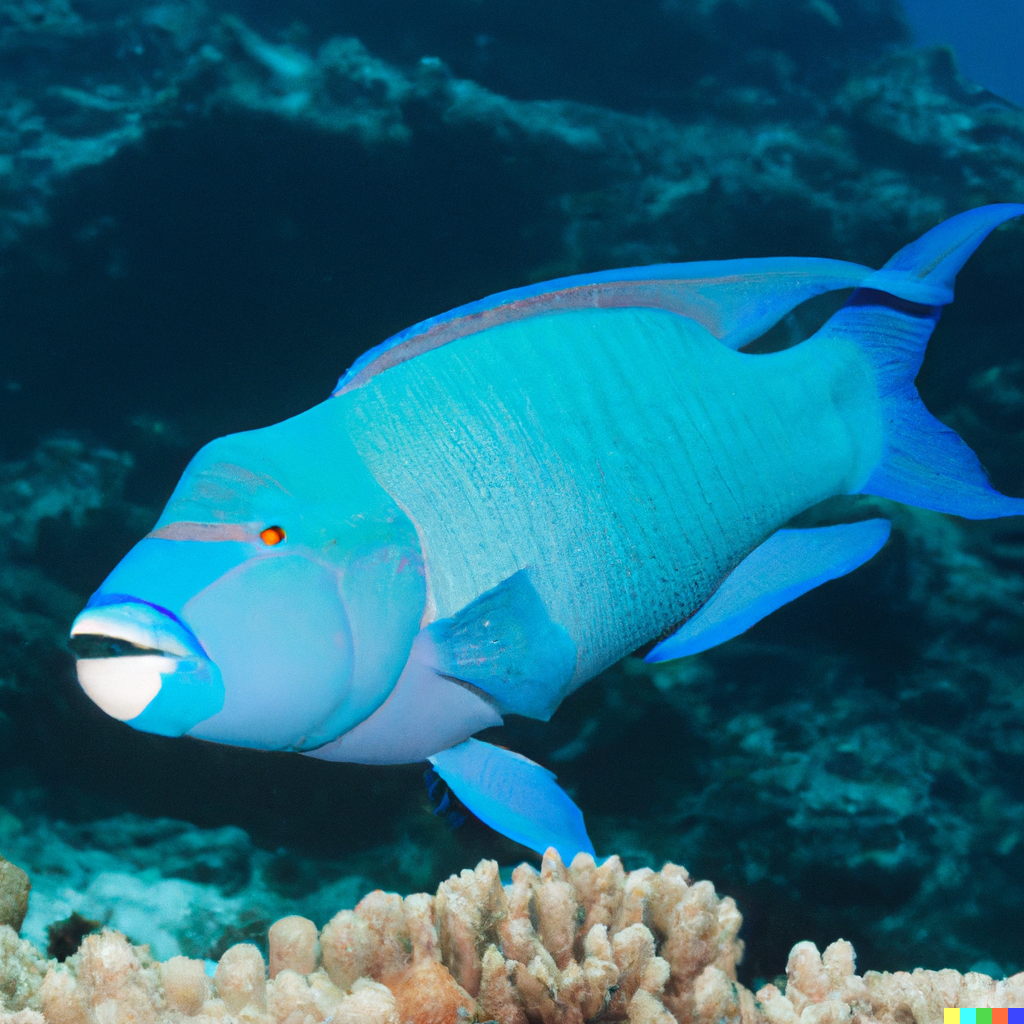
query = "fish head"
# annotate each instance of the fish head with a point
(272, 606)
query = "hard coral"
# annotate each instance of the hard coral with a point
(22, 970)
(565, 945)
(569, 944)
(822, 988)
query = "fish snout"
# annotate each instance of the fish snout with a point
(142, 666)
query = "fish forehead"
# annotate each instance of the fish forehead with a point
(303, 468)
(302, 474)
(229, 479)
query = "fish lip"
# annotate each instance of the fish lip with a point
(138, 622)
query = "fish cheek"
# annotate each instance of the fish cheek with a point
(277, 630)
(383, 590)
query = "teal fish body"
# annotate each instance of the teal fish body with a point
(624, 458)
(499, 503)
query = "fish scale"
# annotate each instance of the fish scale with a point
(649, 485)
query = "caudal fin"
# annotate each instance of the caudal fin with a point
(891, 316)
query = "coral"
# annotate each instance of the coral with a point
(14, 889)
(293, 946)
(558, 946)
(22, 971)
(568, 943)
(822, 988)
(62, 478)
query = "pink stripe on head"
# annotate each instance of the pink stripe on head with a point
(202, 531)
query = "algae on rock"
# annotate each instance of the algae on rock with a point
(14, 889)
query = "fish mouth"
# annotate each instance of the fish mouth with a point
(86, 646)
(125, 651)
(132, 627)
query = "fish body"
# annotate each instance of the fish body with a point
(628, 477)
(501, 502)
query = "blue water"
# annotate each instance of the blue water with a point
(987, 35)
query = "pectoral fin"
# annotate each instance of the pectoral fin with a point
(514, 796)
(505, 644)
(786, 565)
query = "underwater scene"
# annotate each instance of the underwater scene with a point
(682, 534)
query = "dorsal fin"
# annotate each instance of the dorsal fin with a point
(736, 300)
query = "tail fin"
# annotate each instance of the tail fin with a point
(891, 316)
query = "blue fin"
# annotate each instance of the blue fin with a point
(786, 565)
(515, 796)
(925, 271)
(505, 644)
(736, 300)
(891, 317)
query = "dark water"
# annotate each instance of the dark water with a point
(202, 227)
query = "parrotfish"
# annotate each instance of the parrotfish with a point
(497, 504)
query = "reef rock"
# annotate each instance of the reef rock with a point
(14, 889)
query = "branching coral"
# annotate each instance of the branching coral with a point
(559, 946)
(570, 944)
(822, 988)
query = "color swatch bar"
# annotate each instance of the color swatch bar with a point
(1015, 1015)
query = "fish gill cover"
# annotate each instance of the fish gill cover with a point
(207, 212)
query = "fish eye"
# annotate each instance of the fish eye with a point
(272, 535)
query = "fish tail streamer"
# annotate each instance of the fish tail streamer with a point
(890, 317)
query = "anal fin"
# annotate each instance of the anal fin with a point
(786, 565)
(515, 796)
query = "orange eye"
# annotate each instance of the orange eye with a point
(272, 535)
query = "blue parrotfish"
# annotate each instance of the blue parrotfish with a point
(497, 504)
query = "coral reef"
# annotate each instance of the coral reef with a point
(740, 132)
(751, 117)
(558, 946)
(177, 889)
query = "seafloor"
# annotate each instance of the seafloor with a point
(208, 210)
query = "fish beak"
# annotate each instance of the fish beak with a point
(124, 687)
(141, 665)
